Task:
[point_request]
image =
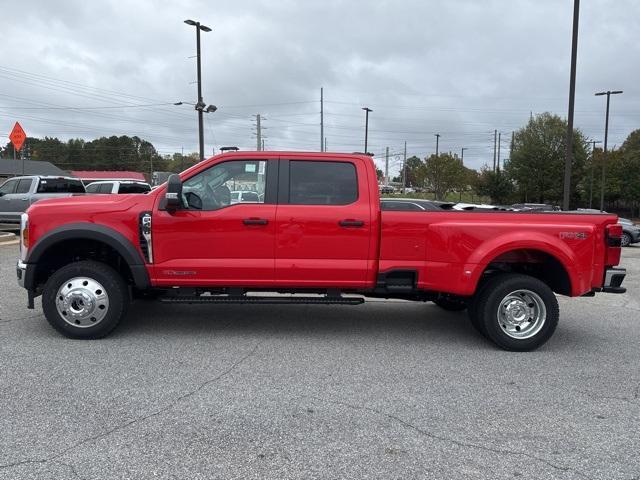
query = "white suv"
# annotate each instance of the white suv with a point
(118, 186)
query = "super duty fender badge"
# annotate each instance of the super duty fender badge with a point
(573, 235)
(179, 273)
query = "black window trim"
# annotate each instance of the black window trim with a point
(284, 181)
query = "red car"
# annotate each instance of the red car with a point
(317, 229)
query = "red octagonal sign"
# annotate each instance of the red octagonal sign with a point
(17, 136)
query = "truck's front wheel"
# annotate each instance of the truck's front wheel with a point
(516, 312)
(85, 299)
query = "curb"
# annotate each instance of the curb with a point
(8, 239)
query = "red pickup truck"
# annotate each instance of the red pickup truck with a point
(314, 230)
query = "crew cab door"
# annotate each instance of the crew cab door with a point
(323, 223)
(211, 241)
(15, 198)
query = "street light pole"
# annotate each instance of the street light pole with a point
(593, 166)
(200, 105)
(608, 93)
(366, 128)
(437, 143)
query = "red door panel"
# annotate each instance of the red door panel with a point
(323, 245)
(230, 246)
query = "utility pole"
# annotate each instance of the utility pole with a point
(513, 136)
(495, 140)
(608, 93)
(325, 144)
(322, 119)
(182, 159)
(258, 133)
(437, 143)
(200, 105)
(366, 128)
(386, 168)
(263, 144)
(499, 141)
(404, 168)
(568, 160)
(593, 166)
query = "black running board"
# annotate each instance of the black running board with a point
(262, 300)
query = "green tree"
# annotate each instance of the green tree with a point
(416, 172)
(495, 185)
(445, 173)
(537, 161)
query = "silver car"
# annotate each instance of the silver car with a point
(19, 193)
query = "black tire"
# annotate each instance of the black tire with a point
(505, 286)
(450, 304)
(472, 309)
(625, 241)
(117, 294)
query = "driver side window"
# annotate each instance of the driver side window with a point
(225, 184)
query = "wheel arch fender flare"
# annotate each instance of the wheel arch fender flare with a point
(492, 249)
(89, 231)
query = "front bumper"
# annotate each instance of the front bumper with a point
(613, 277)
(21, 272)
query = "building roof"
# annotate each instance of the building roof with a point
(107, 175)
(31, 167)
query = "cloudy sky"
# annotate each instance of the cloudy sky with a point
(459, 68)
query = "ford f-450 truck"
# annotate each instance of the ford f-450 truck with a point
(314, 233)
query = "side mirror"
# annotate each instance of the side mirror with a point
(173, 195)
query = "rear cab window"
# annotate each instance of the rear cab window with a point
(60, 185)
(322, 183)
(134, 188)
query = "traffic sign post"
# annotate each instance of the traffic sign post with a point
(17, 137)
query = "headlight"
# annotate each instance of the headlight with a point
(24, 236)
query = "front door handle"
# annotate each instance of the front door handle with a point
(351, 223)
(255, 221)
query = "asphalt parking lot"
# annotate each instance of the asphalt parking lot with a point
(382, 390)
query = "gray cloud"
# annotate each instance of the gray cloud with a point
(459, 68)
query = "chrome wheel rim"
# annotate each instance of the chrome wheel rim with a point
(82, 302)
(522, 314)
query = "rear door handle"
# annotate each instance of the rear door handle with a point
(351, 223)
(255, 221)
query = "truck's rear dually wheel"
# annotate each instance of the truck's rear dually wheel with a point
(85, 299)
(516, 312)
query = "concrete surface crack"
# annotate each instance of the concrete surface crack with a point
(17, 319)
(22, 462)
(73, 470)
(137, 420)
(453, 440)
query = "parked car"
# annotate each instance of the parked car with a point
(387, 189)
(320, 230)
(412, 205)
(118, 186)
(18, 193)
(244, 196)
(630, 232)
(535, 207)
